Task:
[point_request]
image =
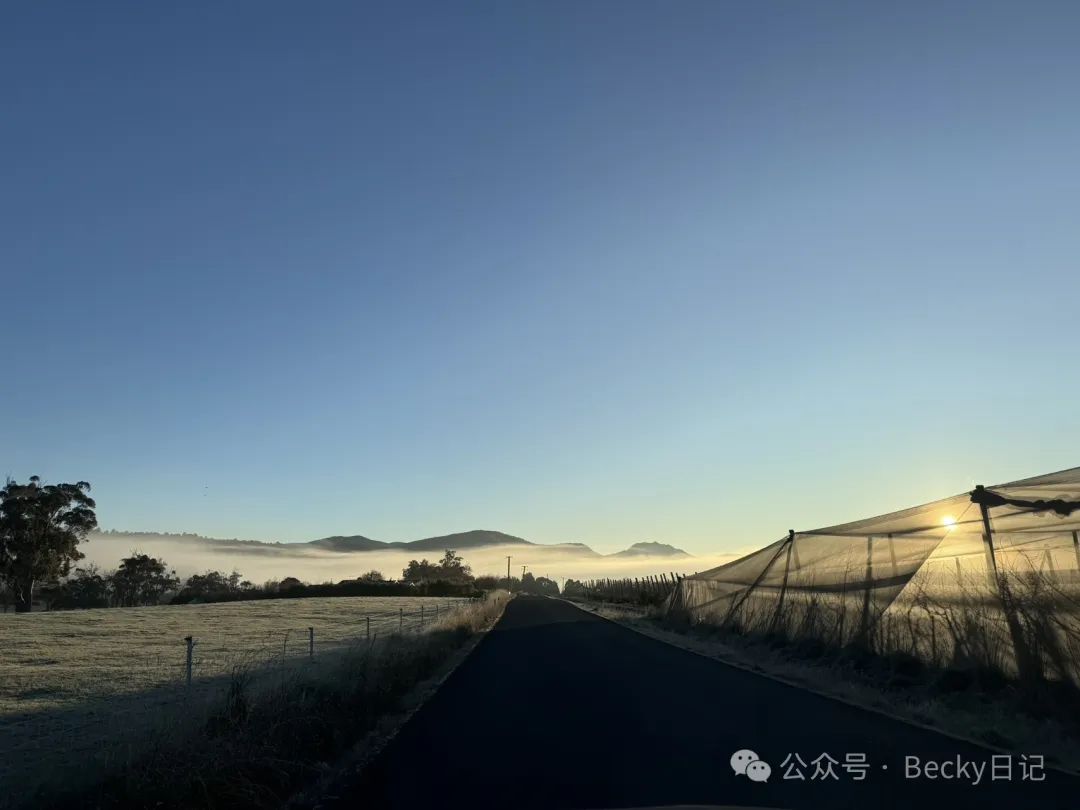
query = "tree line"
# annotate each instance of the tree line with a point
(541, 586)
(41, 526)
(141, 580)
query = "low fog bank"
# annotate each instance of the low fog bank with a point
(260, 563)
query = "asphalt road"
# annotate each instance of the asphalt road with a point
(557, 708)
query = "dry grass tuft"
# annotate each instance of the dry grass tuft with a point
(949, 664)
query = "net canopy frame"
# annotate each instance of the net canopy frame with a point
(912, 574)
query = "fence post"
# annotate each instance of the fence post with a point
(400, 619)
(421, 615)
(190, 644)
(368, 619)
(311, 644)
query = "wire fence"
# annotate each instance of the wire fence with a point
(76, 683)
(216, 654)
(643, 591)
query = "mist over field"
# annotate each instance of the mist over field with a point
(260, 562)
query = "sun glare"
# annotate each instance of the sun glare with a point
(948, 522)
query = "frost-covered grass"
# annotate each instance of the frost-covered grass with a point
(82, 693)
(65, 657)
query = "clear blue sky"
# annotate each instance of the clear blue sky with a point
(597, 271)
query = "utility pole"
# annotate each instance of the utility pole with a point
(508, 574)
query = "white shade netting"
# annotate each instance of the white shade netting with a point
(930, 581)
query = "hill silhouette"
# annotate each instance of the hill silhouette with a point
(459, 541)
(651, 550)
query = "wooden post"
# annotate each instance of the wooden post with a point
(421, 615)
(190, 644)
(368, 620)
(1076, 548)
(892, 554)
(311, 643)
(401, 619)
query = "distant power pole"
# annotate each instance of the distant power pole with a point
(508, 575)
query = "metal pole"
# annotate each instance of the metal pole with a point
(190, 644)
(988, 538)
(783, 585)
(508, 575)
(1025, 664)
(1049, 559)
(311, 643)
(864, 630)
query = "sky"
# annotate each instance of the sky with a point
(606, 272)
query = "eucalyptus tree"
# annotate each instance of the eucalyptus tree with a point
(142, 580)
(41, 526)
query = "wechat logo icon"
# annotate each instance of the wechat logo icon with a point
(746, 763)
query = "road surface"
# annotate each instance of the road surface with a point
(557, 708)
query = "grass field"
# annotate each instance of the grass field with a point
(75, 686)
(65, 657)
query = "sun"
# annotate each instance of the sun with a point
(948, 521)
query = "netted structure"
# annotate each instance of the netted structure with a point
(990, 577)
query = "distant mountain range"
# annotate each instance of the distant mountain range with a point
(478, 538)
(462, 541)
(651, 550)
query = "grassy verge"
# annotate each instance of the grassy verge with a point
(271, 733)
(979, 705)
